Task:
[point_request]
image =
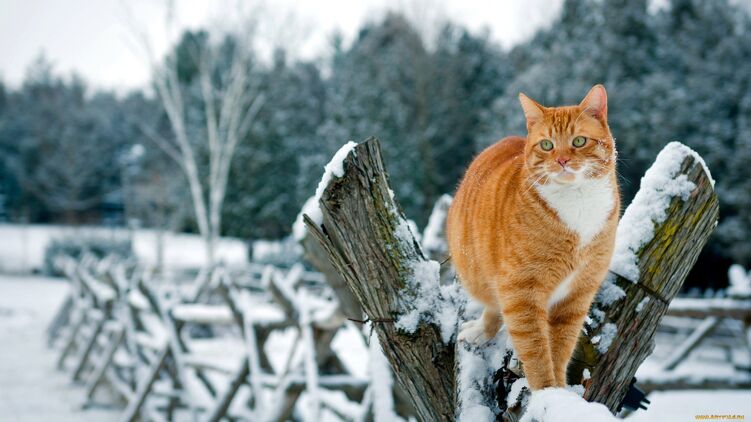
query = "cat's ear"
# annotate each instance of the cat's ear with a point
(533, 111)
(596, 102)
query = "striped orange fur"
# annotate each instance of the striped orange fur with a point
(531, 232)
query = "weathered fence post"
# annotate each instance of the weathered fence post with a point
(364, 235)
(663, 261)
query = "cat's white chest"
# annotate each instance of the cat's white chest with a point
(584, 206)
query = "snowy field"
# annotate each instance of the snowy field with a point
(31, 389)
(679, 406)
(23, 246)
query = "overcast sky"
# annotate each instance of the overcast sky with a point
(95, 38)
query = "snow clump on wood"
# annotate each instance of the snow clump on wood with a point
(660, 184)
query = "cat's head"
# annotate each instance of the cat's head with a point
(569, 144)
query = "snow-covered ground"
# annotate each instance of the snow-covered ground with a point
(23, 245)
(31, 389)
(683, 406)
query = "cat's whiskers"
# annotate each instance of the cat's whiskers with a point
(535, 182)
(605, 169)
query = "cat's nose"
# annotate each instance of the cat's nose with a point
(562, 161)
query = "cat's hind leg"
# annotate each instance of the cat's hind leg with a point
(479, 331)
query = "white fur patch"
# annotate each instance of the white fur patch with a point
(583, 206)
(563, 289)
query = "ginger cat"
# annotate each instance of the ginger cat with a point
(531, 232)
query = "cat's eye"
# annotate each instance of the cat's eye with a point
(579, 141)
(546, 144)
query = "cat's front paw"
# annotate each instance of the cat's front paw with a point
(473, 332)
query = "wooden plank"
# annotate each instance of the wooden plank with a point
(310, 363)
(692, 382)
(224, 400)
(690, 343)
(718, 307)
(97, 375)
(70, 342)
(88, 348)
(144, 387)
(61, 319)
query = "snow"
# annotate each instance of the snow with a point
(23, 246)
(609, 292)
(514, 394)
(681, 406)
(724, 304)
(660, 184)
(598, 314)
(641, 304)
(31, 389)
(207, 314)
(349, 344)
(138, 300)
(740, 282)
(284, 252)
(431, 302)
(605, 338)
(405, 230)
(707, 363)
(414, 230)
(221, 353)
(334, 168)
(477, 364)
(309, 355)
(433, 238)
(382, 384)
(563, 405)
(299, 230)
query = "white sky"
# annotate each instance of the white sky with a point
(95, 38)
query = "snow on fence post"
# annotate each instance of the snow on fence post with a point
(369, 242)
(367, 239)
(659, 239)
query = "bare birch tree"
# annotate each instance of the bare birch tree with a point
(230, 100)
